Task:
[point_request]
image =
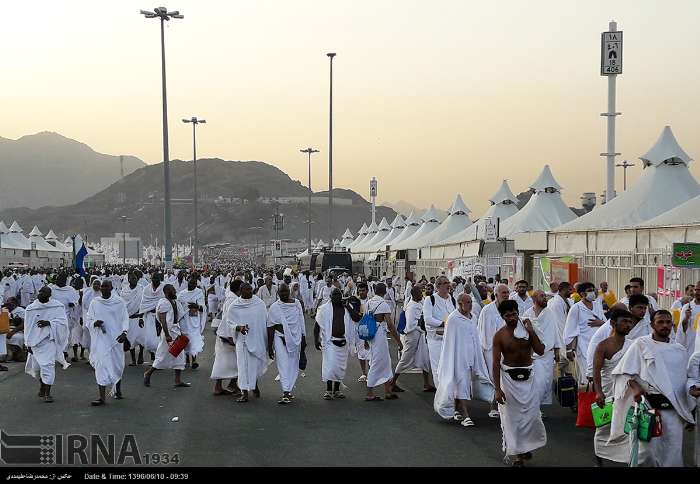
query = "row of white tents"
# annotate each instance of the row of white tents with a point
(14, 238)
(666, 194)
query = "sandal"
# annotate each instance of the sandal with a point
(195, 365)
(375, 398)
(338, 394)
(243, 399)
(327, 395)
(458, 417)
(183, 384)
(97, 403)
(284, 400)
(147, 381)
(467, 422)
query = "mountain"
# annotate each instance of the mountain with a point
(49, 169)
(246, 188)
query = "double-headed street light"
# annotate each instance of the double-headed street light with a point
(195, 121)
(309, 151)
(163, 14)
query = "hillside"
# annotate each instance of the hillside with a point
(49, 169)
(139, 197)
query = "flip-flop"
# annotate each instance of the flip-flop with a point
(242, 400)
(467, 422)
(183, 384)
(375, 398)
(195, 366)
(284, 401)
(458, 417)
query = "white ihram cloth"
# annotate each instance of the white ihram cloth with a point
(132, 297)
(462, 368)
(68, 295)
(490, 321)
(251, 348)
(689, 337)
(359, 348)
(434, 316)
(149, 300)
(380, 370)
(521, 421)
(560, 308)
(9, 286)
(47, 343)
(287, 345)
(415, 347)
(106, 353)
(88, 295)
(694, 380)
(27, 289)
(225, 366)
(523, 304)
(164, 360)
(656, 367)
(269, 296)
(617, 450)
(16, 339)
(306, 289)
(334, 358)
(642, 328)
(577, 327)
(545, 325)
(193, 326)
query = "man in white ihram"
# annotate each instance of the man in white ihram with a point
(108, 323)
(436, 309)
(285, 328)
(46, 334)
(583, 321)
(248, 315)
(490, 321)
(462, 368)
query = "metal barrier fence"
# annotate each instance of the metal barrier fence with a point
(618, 267)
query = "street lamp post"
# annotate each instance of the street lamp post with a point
(330, 151)
(163, 14)
(195, 122)
(124, 220)
(625, 164)
(309, 151)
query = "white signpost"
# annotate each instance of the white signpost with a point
(611, 66)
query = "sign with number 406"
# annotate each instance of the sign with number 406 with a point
(610, 53)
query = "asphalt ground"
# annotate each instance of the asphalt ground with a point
(217, 431)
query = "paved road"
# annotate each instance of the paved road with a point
(217, 431)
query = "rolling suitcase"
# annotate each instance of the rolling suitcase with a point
(566, 388)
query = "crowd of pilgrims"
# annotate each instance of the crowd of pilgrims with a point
(471, 340)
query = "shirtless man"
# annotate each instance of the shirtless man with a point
(518, 402)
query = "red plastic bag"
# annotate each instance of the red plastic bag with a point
(178, 345)
(657, 429)
(584, 416)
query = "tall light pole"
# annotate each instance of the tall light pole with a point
(195, 122)
(163, 14)
(309, 151)
(125, 219)
(625, 164)
(611, 67)
(330, 151)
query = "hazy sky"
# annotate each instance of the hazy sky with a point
(431, 97)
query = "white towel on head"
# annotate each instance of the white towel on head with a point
(520, 331)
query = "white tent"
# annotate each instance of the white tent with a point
(412, 224)
(39, 243)
(503, 205)
(3, 228)
(431, 222)
(544, 211)
(361, 234)
(14, 239)
(52, 239)
(664, 184)
(347, 238)
(383, 230)
(457, 220)
(371, 232)
(397, 227)
(684, 214)
(303, 253)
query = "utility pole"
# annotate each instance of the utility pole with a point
(611, 66)
(163, 14)
(625, 164)
(195, 248)
(330, 152)
(309, 151)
